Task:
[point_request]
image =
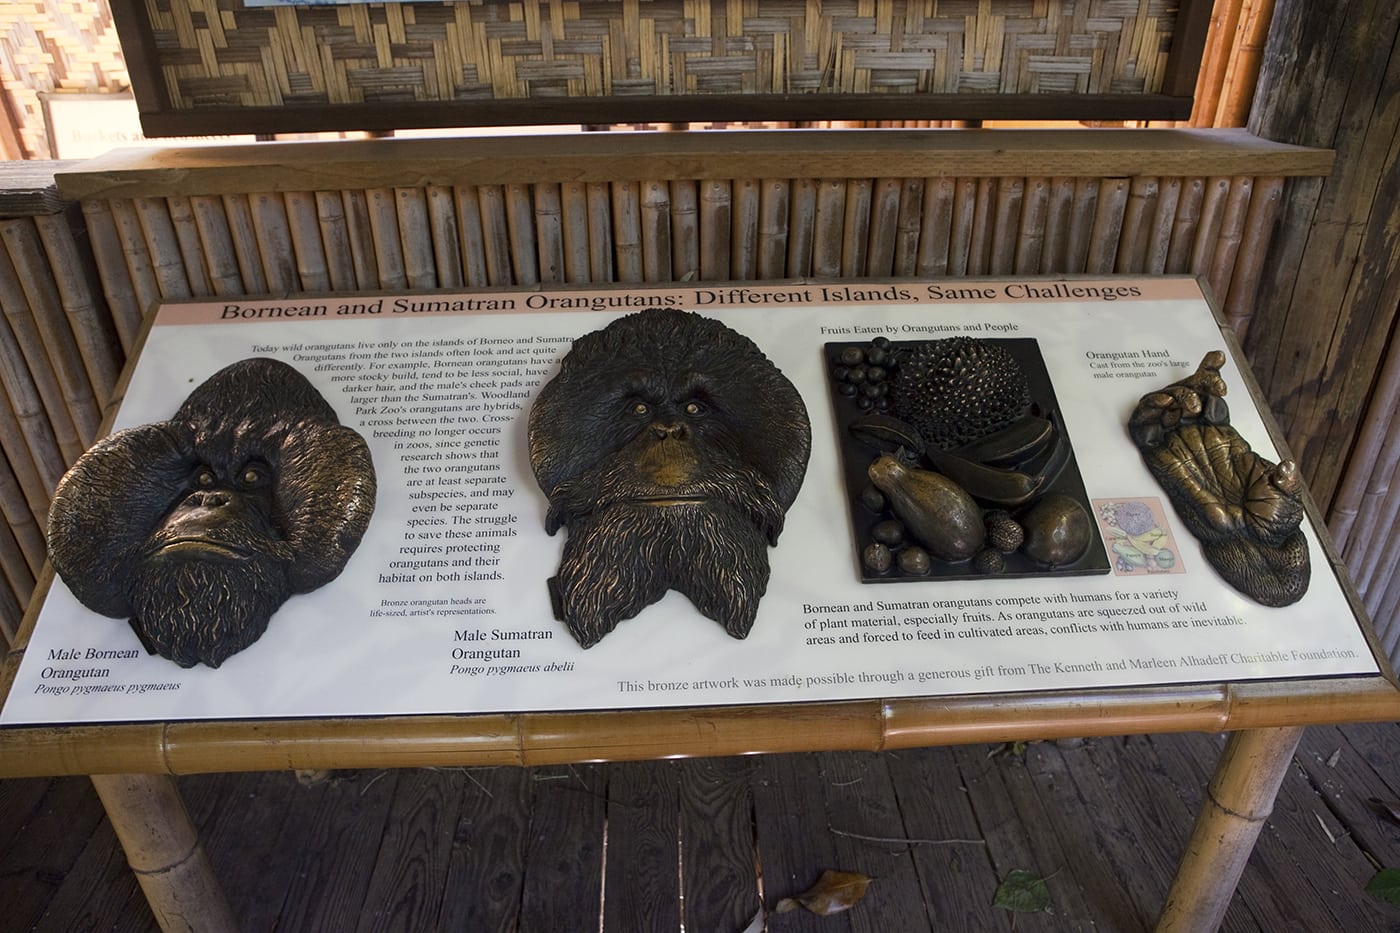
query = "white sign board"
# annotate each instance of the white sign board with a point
(444, 607)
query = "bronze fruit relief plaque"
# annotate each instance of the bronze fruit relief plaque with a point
(956, 461)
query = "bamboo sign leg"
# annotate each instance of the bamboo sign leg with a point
(165, 853)
(1238, 801)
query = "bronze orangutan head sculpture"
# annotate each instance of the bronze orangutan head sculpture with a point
(197, 529)
(671, 448)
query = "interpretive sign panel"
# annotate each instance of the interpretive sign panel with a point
(445, 607)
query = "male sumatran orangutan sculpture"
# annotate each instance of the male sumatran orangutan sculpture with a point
(671, 448)
(198, 528)
(1244, 510)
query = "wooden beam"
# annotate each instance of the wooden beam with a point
(605, 157)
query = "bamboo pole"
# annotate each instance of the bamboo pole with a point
(56, 331)
(1079, 233)
(495, 237)
(774, 210)
(1184, 225)
(1163, 217)
(273, 242)
(359, 233)
(828, 225)
(1221, 269)
(447, 245)
(1242, 70)
(627, 230)
(470, 236)
(855, 227)
(549, 232)
(908, 227)
(979, 250)
(91, 325)
(163, 247)
(1208, 229)
(1264, 205)
(1380, 431)
(1219, 40)
(15, 561)
(26, 435)
(802, 227)
(685, 230)
(655, 217)
(1107, 227)
(884, 228)
(1006, 221)
(1137, 225)
(1377, 561)
(936, 227)
(415, 238)
(180, 213)
(308, 250)
(1030, 226)
(960, 233)
(52, 389)
(388, 243)
(164, 851)
(743, 227)
(574, 211)
(23, 524)
(1059, 212)
(112, 271)
(211, 222)
(716, 229)
(239, 211)
(335, 240)
(601, 261)
(1387, 607)
(520, 225)
(1238, 801)
(11, 615)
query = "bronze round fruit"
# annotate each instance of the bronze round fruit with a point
(1058, 531)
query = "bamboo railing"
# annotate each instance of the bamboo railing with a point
(648, 207)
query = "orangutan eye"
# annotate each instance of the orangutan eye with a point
(254, 473)
(694, 409)
(640, 408)
(204, 479)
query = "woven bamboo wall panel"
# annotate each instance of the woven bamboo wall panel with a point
(216, 53)
(55, 45)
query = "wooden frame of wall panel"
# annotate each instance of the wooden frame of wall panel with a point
(216, 69)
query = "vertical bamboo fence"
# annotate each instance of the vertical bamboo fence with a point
(59, 361)
(425, 214)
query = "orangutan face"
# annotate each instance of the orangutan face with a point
(671, 448)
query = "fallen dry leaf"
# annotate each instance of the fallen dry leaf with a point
(1389, 809)
(834, 892)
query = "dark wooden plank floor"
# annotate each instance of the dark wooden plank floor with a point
(708, 845)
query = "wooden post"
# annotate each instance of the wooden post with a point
(1238, 801)
(164, 851)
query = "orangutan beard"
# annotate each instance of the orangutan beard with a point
(197, 610)
(625, 557)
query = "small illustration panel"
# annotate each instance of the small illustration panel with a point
(1138, 536)
(957, 463)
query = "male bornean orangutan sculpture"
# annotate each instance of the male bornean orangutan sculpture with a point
(198, 528)
(671, 448)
